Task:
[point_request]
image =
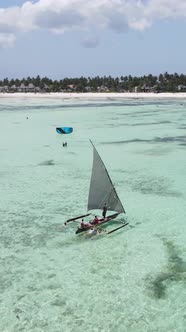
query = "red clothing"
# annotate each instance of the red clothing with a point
(96, 220)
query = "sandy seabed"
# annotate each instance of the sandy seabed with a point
(132, 280)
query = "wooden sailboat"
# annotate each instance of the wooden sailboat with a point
(101, 191)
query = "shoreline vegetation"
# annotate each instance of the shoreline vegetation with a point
(163, 83)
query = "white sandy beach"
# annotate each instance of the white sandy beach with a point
(127, 95)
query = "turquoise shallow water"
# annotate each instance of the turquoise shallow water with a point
(131, 280)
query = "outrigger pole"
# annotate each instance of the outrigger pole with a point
(115, 229)
(74, 219)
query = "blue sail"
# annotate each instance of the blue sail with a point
(64, 130)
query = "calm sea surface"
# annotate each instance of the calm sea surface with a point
(133, 280)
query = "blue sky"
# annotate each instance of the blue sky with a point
(73, 38)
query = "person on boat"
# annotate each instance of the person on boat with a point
(104, 212)
(92, 231)
(95, 220)
(82, 224)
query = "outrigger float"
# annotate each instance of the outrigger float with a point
(101, 191)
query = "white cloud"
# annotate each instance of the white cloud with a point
(60, 16)
(6, 40)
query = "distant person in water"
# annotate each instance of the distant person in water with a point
(104, 212)
(64, 143)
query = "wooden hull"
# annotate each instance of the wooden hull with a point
(101, 222)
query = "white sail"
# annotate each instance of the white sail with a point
(101, 189)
